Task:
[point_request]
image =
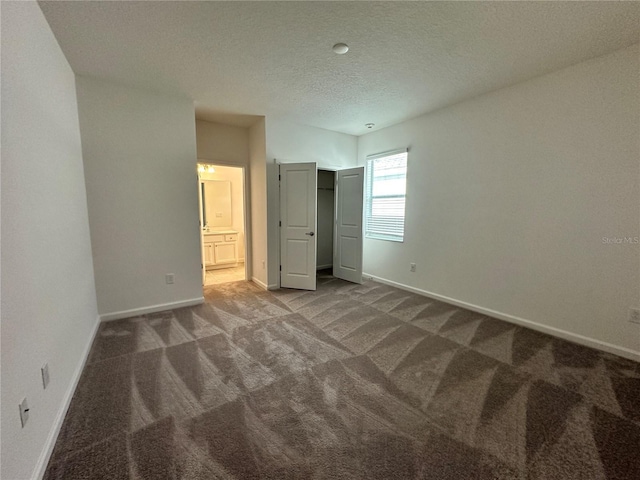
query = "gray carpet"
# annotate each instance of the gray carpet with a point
(349, 382)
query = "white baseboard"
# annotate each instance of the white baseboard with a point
(105, 317)
(556, 332)
(260, 283)
(323, 267)
(45, 455)
(273, 287)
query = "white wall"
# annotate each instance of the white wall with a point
(49, 311)
(293, 143)
(509, 196)
(233, 175)
(221, 143)
(140, 167)
(326, 217)
(257, 269)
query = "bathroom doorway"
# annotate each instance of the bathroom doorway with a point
(221, 193)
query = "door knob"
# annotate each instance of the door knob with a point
(311, 234)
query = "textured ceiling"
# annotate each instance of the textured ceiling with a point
(275, 58)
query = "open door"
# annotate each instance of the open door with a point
(298, 203)
(347, 245)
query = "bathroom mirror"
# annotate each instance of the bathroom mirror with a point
(216, 203)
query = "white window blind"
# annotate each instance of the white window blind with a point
(385, 195)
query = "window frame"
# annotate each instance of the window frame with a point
(374, 232)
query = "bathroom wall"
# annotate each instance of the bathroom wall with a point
(233, 175)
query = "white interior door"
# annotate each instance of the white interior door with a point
(347, 245)
(298, 204)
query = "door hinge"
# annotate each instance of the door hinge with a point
(280, 223)
(280, 267)
(279, 177)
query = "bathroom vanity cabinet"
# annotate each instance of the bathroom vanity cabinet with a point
(220, 249)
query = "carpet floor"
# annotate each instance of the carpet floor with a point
(348, 382)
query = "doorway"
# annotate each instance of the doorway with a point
(325, 220)
(221, 193)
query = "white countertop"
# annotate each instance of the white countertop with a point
(219, 232)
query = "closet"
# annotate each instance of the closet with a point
(320, 223)
(326, 218)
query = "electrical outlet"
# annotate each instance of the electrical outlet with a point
(169, 278)
(45, 375)
(24, 412)
(634, 315)
(412, 267)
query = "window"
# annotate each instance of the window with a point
(385, 195)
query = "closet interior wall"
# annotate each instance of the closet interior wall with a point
(326, 218)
